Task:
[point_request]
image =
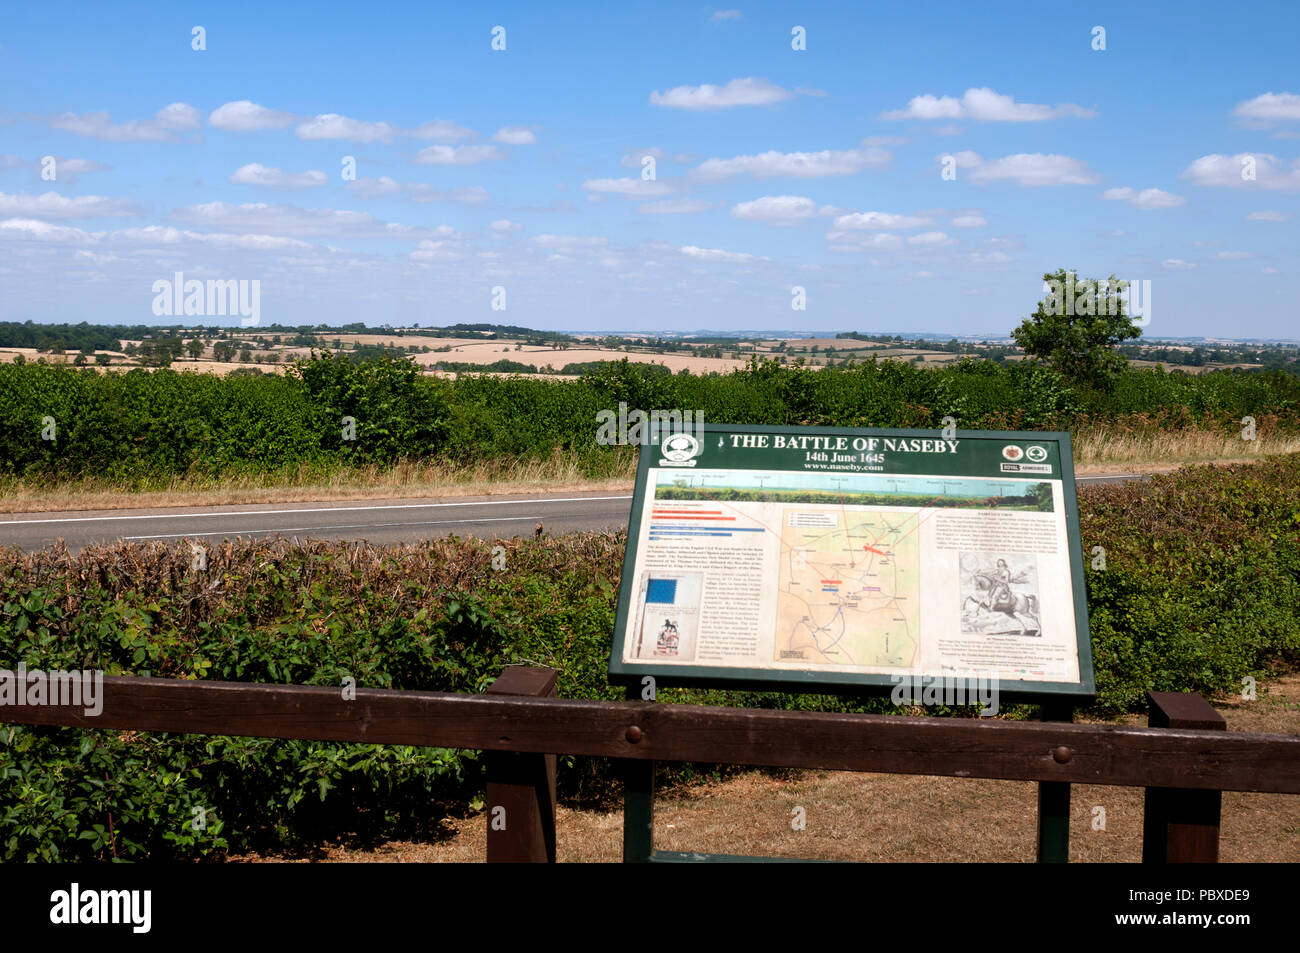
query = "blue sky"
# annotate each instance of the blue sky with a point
(774, 168)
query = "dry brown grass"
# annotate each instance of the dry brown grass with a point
(409, 480)
(1103, 448)
(882, 817)
(1095, 453)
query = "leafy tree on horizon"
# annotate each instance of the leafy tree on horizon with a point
(1078, 329)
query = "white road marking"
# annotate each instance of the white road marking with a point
(321, 509)
(307, 529)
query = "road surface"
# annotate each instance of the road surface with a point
(380, 521)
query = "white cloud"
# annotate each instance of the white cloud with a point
(35, 230)
(375, 188)
(633, 188)
(417, 191)
(569, 243)
(505, 225)
(879, 221)
(143, 238)
(167, 235)
(1233, 255)
(440, 130)
(1146, 199)
(860, 241)
(163, 127)
(990, 258)
(738, 92)
(244, 116)
(800, 165)
(10, 162)
(468, 195)
(1177, 264)
(257, 174)
(969, 221)
(1028, 169)
(717, 254)
(290, 219)
(334, 126)
(776, 209)
(930, 238)
(724, 15)
(983, 104)
(1269, 108)
(514, 136)
(457, 155)
(1266, 216)
(675, 207)
(441, 250)
(54, 205)
(1270, 172)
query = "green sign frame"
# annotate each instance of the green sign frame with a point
(984, 447)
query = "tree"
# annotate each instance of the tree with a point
(195, 348)
(103, 360)
(245, 355)
(1078, 328)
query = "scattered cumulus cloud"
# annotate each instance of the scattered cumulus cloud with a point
(1266, 216)
(718, 254)
(244, 116)
(457, 155)
(165, 125)
(440, 130)
(675, 207)
(739, 92)
(984, 105)
(290, 219)
(632, 188)
(1271, 173)
(1269, 108)
(1027, 169)
(799, 165)
(878, 221)
(776, 209)
(268, 177)
(1146, 199)
(53, 205)
(514, 136)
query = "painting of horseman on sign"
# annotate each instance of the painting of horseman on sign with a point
(999, 594)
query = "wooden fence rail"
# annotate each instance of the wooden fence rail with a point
(521, 715)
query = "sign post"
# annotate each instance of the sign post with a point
(934, 567)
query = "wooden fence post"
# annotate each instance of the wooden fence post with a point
(521, 786)
(1054, 801)
(1181, 825)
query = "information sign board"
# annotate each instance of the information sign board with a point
(831, 559)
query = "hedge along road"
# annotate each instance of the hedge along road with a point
(379, 521)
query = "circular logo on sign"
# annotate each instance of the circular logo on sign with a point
(1036, 453)
(1012, 452)
(679, 447)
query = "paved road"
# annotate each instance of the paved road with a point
(380, 521)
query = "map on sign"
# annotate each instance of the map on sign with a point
(848, 590)
(841, 558)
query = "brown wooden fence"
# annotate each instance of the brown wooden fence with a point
(1184, 758)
